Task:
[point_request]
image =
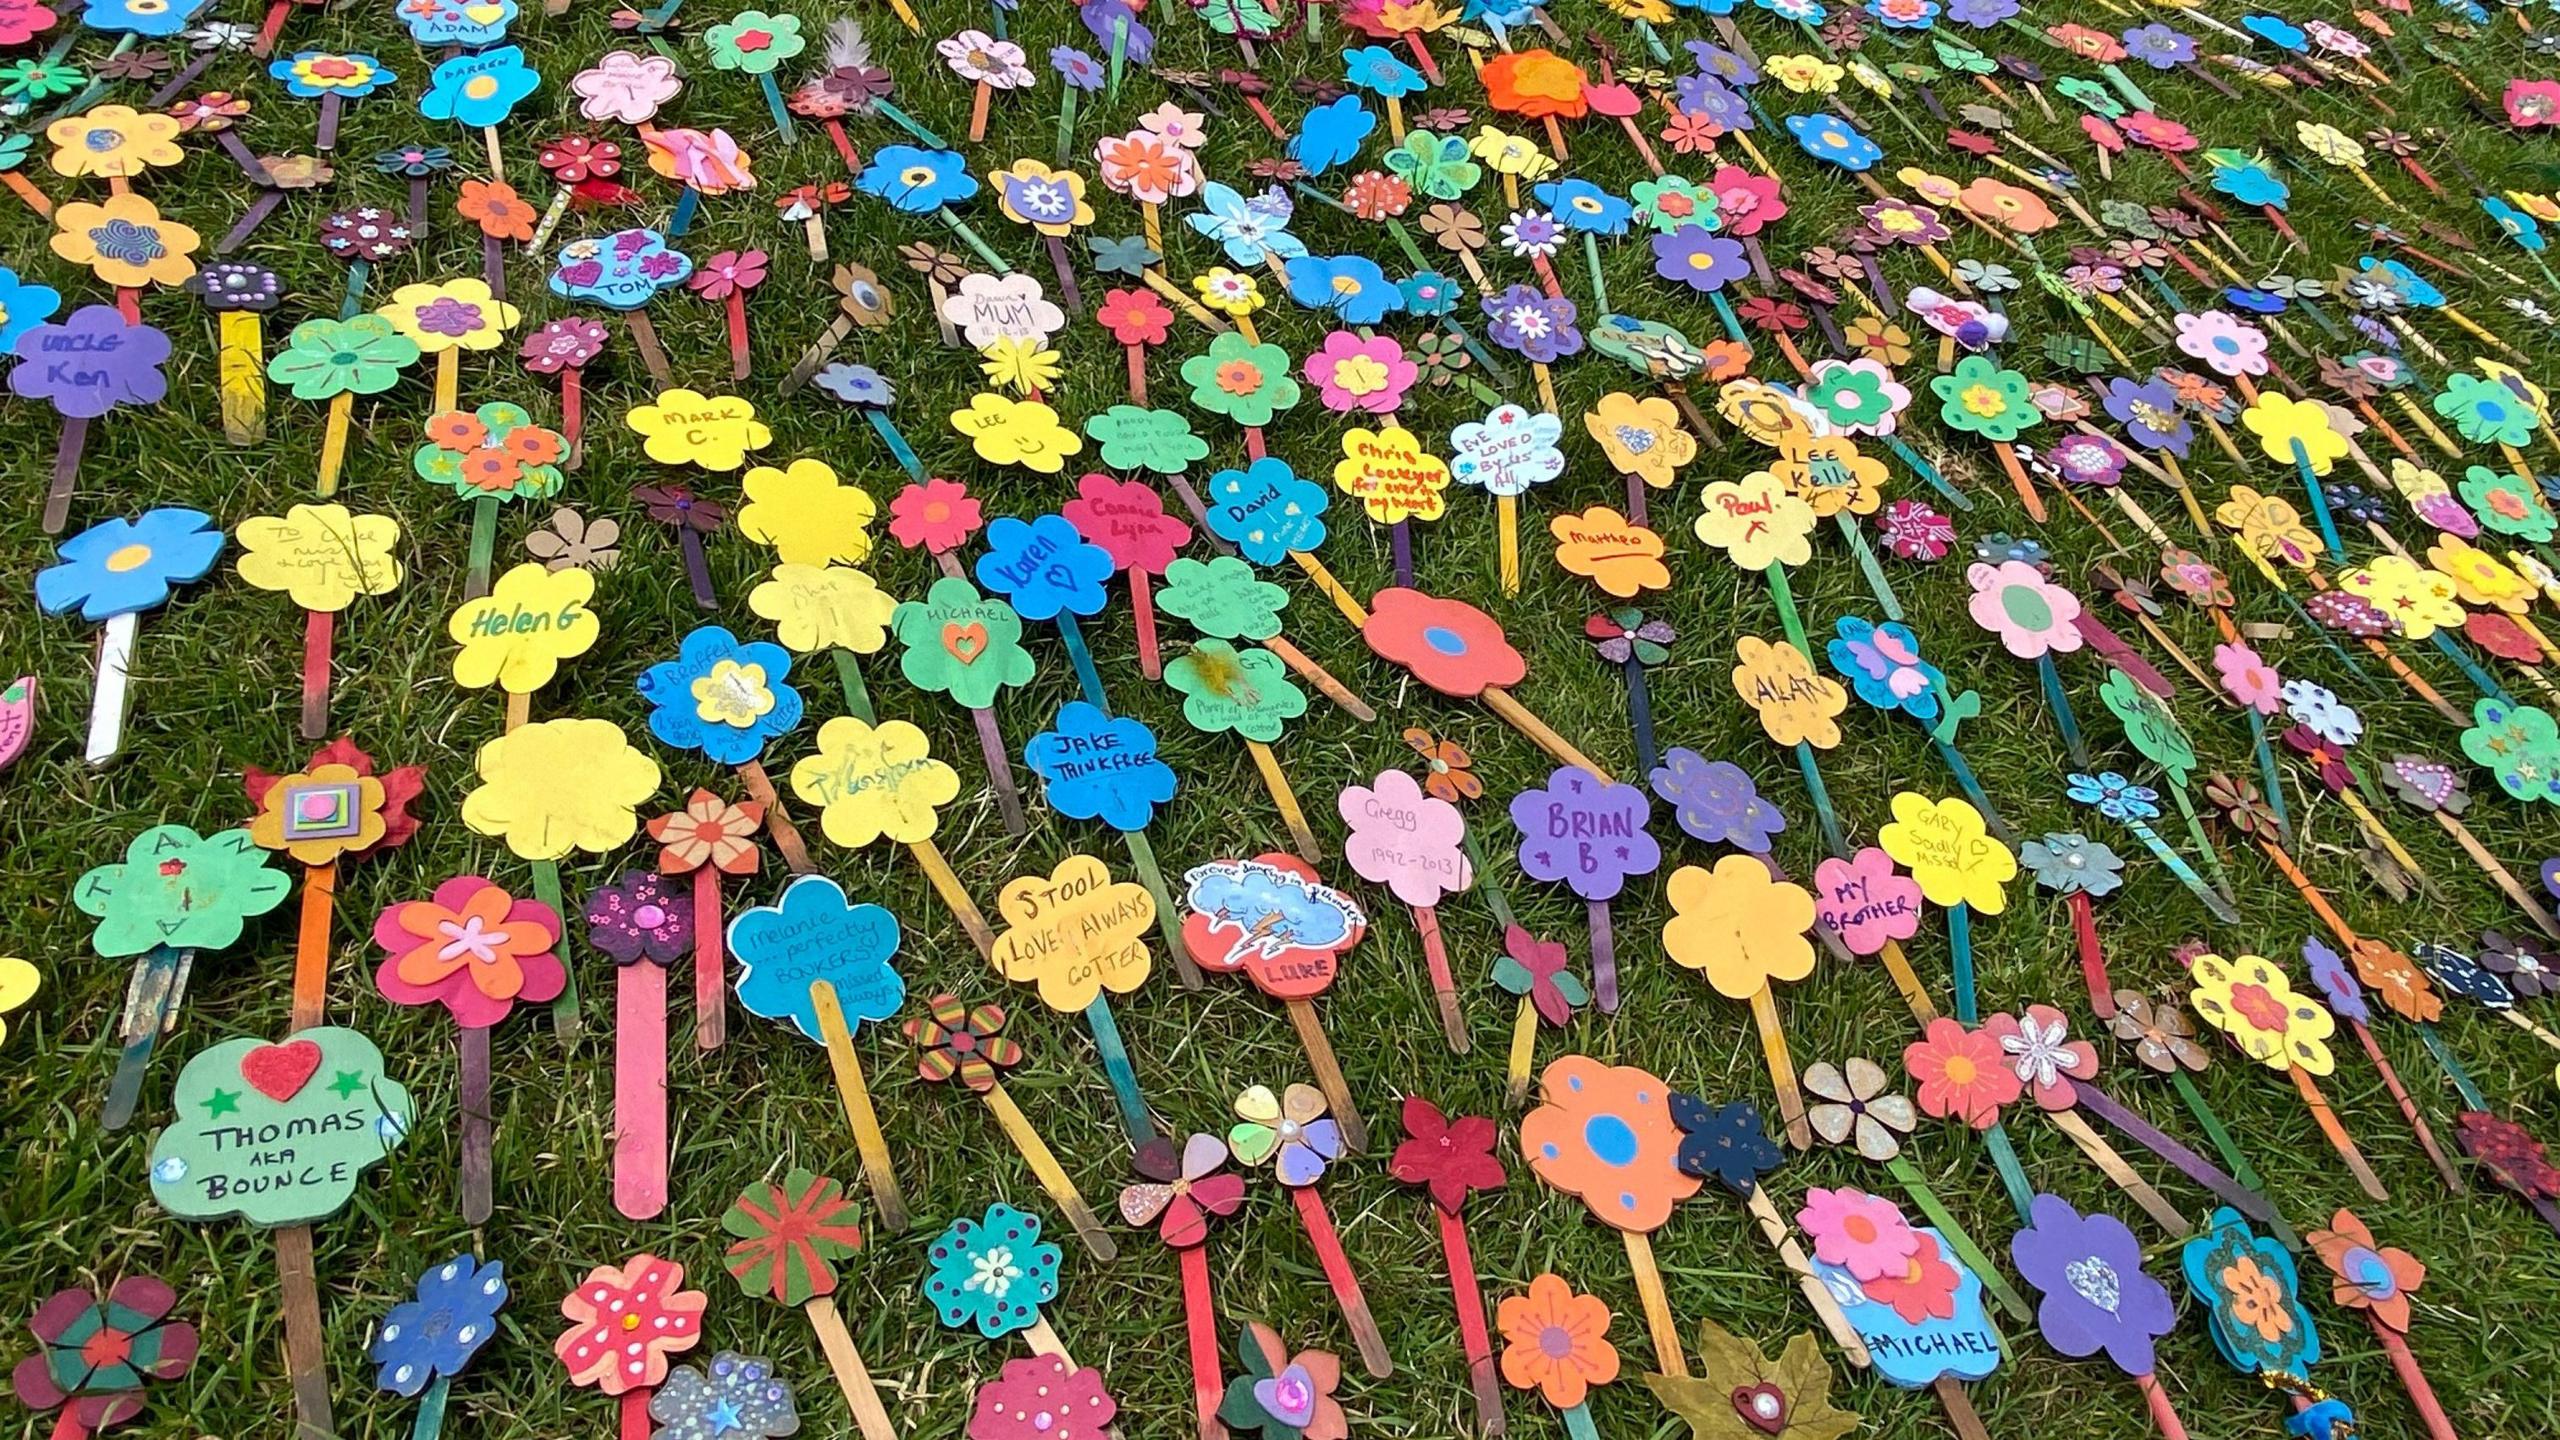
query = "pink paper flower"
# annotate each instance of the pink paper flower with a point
(937, 515)
(625, 87)
(2247, 679)
(2041, 1053)
(1405, 840)
(2226, 346)
(2031, 615)
(1866, 901)
(2532, 102)
(1355, 374)
(1861, 1233)
(979, 56)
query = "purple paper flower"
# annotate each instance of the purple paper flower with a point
(1076, 68)
(1981, 14)
(2148, 411)
(1715, 801)
(1538, 325)
(2095, 1294)
(2158, 46)
(2087, 459)
(637, 916)
(90, 363)
(1585, 831)
(1700, 259)
(446, 315)
(1721, 103)
(2337, 983)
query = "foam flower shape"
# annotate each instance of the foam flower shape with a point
(1006, 431)
(479, 89)
(640, 917)
(2033, 616)
(473, 948)
(1950, 851)
(2281, 423)
(752, 42)
(1451, 1158)
(1448, 645)
(790, 1234)
(1556, 1342)
(1181, 1188)
(120, 567)
(1729, 1144)
(2249, 999)
(685, 427)
(2365, 1274)
(177, 888)
(1757, 521)
(560, 785)
(2095, 1294)
(124, 242)
(1980, 398)
(1290, 1132)
(2519, 744)
(321, 555)
(963, 1042)
(113, 142)
(322, 814)
(721, 696)
(1962, 1073)
(708, 831)
(2249, 1289)
(994, 1272)
(97, 1354)
(1856, 1104)
(1604, 1134)
(450, 315)
(625, 1320)
(433, 1336)
(1042, 1398)
(2039, 1049)
(1737, 925)
(1044, 565)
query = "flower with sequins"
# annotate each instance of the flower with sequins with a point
(640, 917)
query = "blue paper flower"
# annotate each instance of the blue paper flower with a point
(1882, 662)
(1331, 134)
(1266, 511)
(2116, 797)
(1583, 206)
(1104, 18)
(2251, 1297)
(813, 934)
(452, 22)
(2413, 287)
(1351, 286)
(1251, 229)
(620, 271)
(2251, 185)
(1100, 768)
(349, 75)
(1803, 12)
(117, 567)
(2514, 223)
(435, 1335)
(1428, 295)
(720, 696)
(916, 180)
(23, 306)
(2253, 300)
(2281, 33)
(479, 90)
(151, 19)
(993, 1273)
(1381, 72)
(1043, 566)
(1828, 137)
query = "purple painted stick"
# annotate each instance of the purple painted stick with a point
(999, 769)
(2190, 1164)
(66, 471)
(329, 106)
(1604, 957)
(1402, 538)
(250, 219)
(161, 97)
(242, 156)
(697, 570)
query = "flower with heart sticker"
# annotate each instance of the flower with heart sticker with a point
(325, 1086)
(961, 643)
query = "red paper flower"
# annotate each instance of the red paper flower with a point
(937, 515)
(1961, 1073)
(568, 343)
(2501, 636)
(1134, 317)
(1041, 1399)
(2328, 761)
(1452, 1157)
(474, 948)
(399, 787)
(728, 273)
(575, 159)
(96, 1353)
(962, 1041)
(1181, 1189)
(708, 831)
(1927, 1290)
(624, 1321)
(1449, 645)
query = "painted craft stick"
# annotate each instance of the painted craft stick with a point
(873, 782)
(862, 303)
(789, 1235)
(827, 965)
(1451, 1159)
(113, 572)
(490, 456)
(968, 646)
(1179, 1191)
(1882, 662)
(1791, 1393)
(1557, 1343)
(1128, 520)
(199, 1172)
(1293, 1134)
(1743, 931)
(1287, 931)
(965, 1043)
(728, 699)
(422, 1344)
(1587, 831)
(708, 838)
(1926, 1328)
(1247, 693)
(173, 893)
(1270, 515)
(1048, 570)
(644, 926)
(1094, 766)
(2135, 807)
(2059, 1253)
(2288, 1034)
(1077, 933)
(1223, 600)
(1730, 1145)
(324, 557)
(1414, 844)
(1605, 1134)
(624, 1322)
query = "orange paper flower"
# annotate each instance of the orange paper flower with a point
(1604, 1133)
(1536, 83)
(1556, 1342)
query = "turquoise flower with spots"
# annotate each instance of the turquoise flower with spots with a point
(2486, 412)
(994, 1273)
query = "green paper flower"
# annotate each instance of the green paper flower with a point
(1962, 59)
(1673, 202)
(26, 81)
(2090, 95)
(753, 42)
(1135, 438)
(324, 358)
(1245, 382)
(2506, 505)
(961, 643)
(496, 450)
(179, 889)
(1244, 691)
(2520, 745)
(1436, 165)
(1983, 399)
(2150, 725)
(1852, 396)
(2486, 412)
(1223, 598)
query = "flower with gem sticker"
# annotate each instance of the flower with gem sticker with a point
(429, 1339)
(2095, 1294)
(1748, 1396)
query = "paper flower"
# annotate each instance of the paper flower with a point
(684, 427)
(721, 696)
(873, 781)
(994, 1273)
(1355, 374)
(1005, 431)
(1757, 521)
(2157, 1028)
(1795, 705)
(321, 555)
(2251, 1001)
(1452, 1158)
(2518, 743)
(435, 1335)
(2038, 1049)
(1586, 832)
(1040, 1398)
(1962, 1073)
(1857, 1105)
(1605, 1134)
(708, 831)
(815, 934)
(1100, 767)
(1448, 645)
(119, 567)
(1978, 397)
(2095, 1294)
(625, 86)
(935, 514)
(639, 917)
(1246, 382)
(97, 1354)
(790, 1234)
(1729, 1144)
(325, 358)
(1739, 927)
(815, 608)
(1556, 1342)
(560, 785)
(1861, 1233)
(178, 888)
(1279, 1396)
(2032, 616)
(752, 42)
(113, 141)
(1950, 851)
(473, 948)
(2248, 1287)
(625, 1321)
(516, 636)
(495, 450)
(479, 89)
(2365, 1274)
(1181, 1189)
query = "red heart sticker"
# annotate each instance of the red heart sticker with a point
(965, 642)
(1763, 1407)
(280, 1071)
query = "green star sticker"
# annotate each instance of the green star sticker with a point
(349, 1083)
(222, 1102)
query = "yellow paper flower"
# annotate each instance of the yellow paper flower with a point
(686, 427)
(1756, 521)
(321, 555)
(1738, 926)
(806, 514)
(1231, 293)
(2477, 576)
(450, 315)
(2270, 526)
(1020, 363)
(1795, 702)
(1056, 197)
(516, 635)
(124, 242)
(870, 781)
(2251, 1001)
(19, 982)
(2418, 598)
(1641, 437)
(2331, 144)
(1016, 432)
(815, 608)
(732, 694)
(1504, 153)
(2281, 422)
(1803, 74)
(560, 785)
(1829, 474)
(114, 141)
(1947, 848)
(2540, 207)
(1076, 931)
(2416, 482)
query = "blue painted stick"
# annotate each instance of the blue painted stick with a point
(682, 220)
(149, 1002)
(2319, 504)
(2013, 1178)
(1168, 920)
(2461, 1078)
(1960, 944)
(1928, 472)
(1640, 711)
(1724, 312)
(2185, 872)
(1973, 791)
(2051, 675)
(2204, 842)
(773, 102)
(1124, 1076)
(2267, 777)
(887, 430)
(2480, 679)
(1877, 584)
(430, 1421)
(1821, 797)
(1086, 675)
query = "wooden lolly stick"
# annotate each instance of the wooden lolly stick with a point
(311, 945)
(333, 442)
(2336, 1130)
(1782, 1069)
(1316, 675)
(1474, 1340)
(2518, 1019)
(867, 1138)
(479, 1125)
(1277, 782)
(1200, 1327)
(777, 820)
(1917, 1188)
(1960, 1411)
(1044, 1340)
(852, 1376)
(1907, 980)
(1506, 513)
(2412, 1379)
(2408, 1108)
(305, 1356)
(1329, 1077)
(710, 967)
(1105, 1026)
(1524, 1046)
(448, 379)
(1340, 1277)
(1444, 986)
(319, 628)
(2107, 1159)
(114, 688)
(241, 377)
(1604, 957)
(1517, 715)
(1774, 1228)
(1352, 610)
(1142, 614)
(2093, 960)
(640, 1089)
(519, 710)
(1658, 1316)
(1052, 1176)
(955, 896)
(2163, 1414)
(1142, 857)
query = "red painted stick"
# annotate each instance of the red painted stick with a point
(2412, 1379)
(319, 627)
(2409, 1109)
(2093, 960)
(737, 334)
(1473, 1338)
(2163, 1414)
(710, 969)
(1142, 606)
(640, 1089)
(573, 410)
(1345, 1284)
(636, 1424)
(1200, 1322)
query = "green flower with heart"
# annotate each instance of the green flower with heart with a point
(277, 1134)
(1980, 398)
(1222, 597)
(1224, 689)
(754, 43)
(180, 889)
(961, 643)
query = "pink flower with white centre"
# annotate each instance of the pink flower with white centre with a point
(2040, 1051)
